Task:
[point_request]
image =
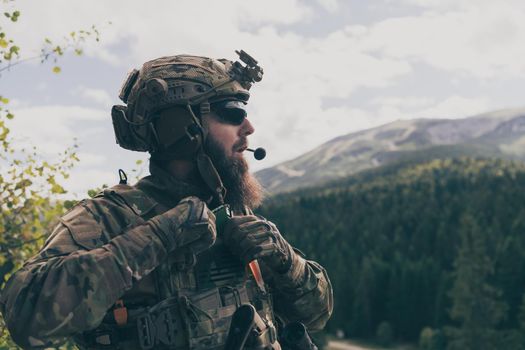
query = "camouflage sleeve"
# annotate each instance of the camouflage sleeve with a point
(303, 294)
(68, 288)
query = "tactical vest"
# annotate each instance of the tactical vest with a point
(185, 303)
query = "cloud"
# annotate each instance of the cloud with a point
(329, 5)
(483, 40)
(409, 107)
(53, 128)
(91, 159)
(98, 96)
(402, 102)
(149, 29)
(454, 107)
(445, 5)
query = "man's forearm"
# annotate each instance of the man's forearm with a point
(304, 294)
(49, 299)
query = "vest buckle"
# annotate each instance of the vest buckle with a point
(120, 313)
(146, 331)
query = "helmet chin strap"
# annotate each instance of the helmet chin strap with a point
(211, 176)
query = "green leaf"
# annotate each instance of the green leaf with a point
(3, 43)
(15, 15)
(58, 50)
(57, 189)
(56, 69)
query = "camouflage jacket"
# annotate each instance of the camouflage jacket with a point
(103, 250)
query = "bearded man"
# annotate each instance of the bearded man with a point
(166, 263)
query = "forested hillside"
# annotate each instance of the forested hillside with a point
(439, 244)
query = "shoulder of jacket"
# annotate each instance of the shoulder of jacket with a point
(121, 206)
(135, 199)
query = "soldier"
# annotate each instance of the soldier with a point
(148, 266)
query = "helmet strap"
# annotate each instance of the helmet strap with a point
(198, 122)
(211, 177)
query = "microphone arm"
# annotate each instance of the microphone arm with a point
(258, 153)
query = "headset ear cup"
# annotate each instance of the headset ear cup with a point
(178, 135)
(127, 135)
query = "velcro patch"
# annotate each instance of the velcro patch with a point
(84, 228)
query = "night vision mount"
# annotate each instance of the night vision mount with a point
(246, 75)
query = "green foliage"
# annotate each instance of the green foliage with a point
(52, 50)
(515, 339)
(8, 49)
(73, 42)
(30, 202)
(26, 205)
(94, 191)
(389, 239)
(425, 338)
(431, 339)
(521, 316)
(477, 305)
(385, 333)
(29, 205)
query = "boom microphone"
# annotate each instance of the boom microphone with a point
(258, 153)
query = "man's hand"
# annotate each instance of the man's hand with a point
(189, 225)
(253, 237)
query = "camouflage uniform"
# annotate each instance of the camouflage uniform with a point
(102, 252)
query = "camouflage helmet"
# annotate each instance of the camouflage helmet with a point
(167, 97)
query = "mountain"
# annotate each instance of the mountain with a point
(499, 134)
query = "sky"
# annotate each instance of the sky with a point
(331, 67)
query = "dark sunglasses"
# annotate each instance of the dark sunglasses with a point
(230, 112)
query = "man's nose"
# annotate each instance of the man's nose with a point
(246, 128)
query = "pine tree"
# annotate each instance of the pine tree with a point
(476, 304)
(362, 322)
(519, 334)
